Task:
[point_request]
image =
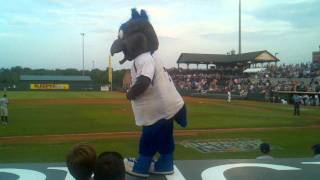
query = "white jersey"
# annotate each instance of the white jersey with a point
(161, 100)
(4, 102)
(229, 96)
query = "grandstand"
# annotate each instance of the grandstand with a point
(240, 75)
(316, 57)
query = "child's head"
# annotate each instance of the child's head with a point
(316, 149)
(265, 148)
(81, 160)
(109, 166)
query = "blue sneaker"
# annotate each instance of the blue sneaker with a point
(164, 165)
(138, 167)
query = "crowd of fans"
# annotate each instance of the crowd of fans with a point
(291, 71)
(299, 77)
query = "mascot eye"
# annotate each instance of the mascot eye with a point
(120, 34)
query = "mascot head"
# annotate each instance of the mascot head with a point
(135, 37)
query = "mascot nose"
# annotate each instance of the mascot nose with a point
(116, 47)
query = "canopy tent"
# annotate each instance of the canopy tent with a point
(254, 70)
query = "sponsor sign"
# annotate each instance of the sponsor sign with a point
(279, 169)
(49, 86)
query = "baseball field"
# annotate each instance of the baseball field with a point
(44, 125)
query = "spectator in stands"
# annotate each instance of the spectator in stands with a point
(80, 161)
(265, 150)
(109, 166)
(296, 103)
(275, 78)
(316, 151)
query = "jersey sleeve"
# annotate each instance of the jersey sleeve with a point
(146, 68)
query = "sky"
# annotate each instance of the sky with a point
(46, 33)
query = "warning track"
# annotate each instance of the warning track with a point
(129, 134)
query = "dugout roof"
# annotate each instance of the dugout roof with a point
(221, 59)
(54, 78)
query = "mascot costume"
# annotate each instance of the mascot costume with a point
(155, 101)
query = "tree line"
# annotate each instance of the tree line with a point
(11, 76)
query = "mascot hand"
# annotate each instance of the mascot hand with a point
(130, 96)
(139, 87)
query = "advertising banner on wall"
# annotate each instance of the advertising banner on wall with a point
(49, 86)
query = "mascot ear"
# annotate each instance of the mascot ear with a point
(143, 14)
(134, 13)
(135, 45)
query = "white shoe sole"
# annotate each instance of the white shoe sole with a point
(162, 173)
(129, 169)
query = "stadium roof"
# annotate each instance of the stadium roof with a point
(54, 78)
(254, 57)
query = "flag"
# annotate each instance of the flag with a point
(110, 70)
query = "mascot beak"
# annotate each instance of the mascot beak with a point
(117, 46)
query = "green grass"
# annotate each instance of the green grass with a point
(241, 114)
(30, 114)
(292, 143)
(67, 119)
(40, 118)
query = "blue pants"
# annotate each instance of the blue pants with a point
(159, 136)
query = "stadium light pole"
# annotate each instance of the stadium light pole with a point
(82, 34)
(239, 29)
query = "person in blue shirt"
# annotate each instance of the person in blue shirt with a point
(296, 103)
(265, 150)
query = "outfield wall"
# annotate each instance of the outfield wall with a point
(53, 86)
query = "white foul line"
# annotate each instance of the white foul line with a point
(176, 176)
(310, 163)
